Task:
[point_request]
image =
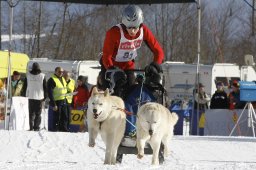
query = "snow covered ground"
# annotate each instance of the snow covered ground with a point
(50, 150)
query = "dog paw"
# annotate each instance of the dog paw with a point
(139, 156)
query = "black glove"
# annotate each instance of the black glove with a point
(120, 78)
(110, 71)
(153, 69)
(152, 73)
(157, 66)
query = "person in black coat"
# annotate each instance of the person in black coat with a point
(219, 99)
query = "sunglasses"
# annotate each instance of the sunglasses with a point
(60, 71)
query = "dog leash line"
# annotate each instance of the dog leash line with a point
(130, 123)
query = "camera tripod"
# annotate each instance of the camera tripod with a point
(251, 118)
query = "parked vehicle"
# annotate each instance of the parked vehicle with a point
(88, 68)
(180, 78)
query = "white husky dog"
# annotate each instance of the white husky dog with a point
(154, 125)
(106, 115)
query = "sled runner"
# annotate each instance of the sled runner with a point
(142, 92)
(133, 150)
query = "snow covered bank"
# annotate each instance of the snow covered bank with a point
(50, 150)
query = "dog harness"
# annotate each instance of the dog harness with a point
(117, 108)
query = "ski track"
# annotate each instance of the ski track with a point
(60, 151)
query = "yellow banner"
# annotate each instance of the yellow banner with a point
(202, 120)
(77, 117)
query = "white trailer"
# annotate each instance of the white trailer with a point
(88, 68)
(180, 77)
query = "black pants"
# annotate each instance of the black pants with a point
(61, 117)
(35, 110)
(69, 113)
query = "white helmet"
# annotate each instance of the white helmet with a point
(132, 16)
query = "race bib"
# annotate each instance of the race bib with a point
(125, 56)
(127, 49)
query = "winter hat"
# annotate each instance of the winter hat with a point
(35, 66)
(201, 85)
(236, 84)
(82, 79)
(219, 83)
(15, 73)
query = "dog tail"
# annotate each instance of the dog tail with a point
(174, 118)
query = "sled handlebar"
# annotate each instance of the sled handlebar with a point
(111, 71)
(109, 75)
(136, 70)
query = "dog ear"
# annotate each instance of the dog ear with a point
(95, 91)
(106, 92)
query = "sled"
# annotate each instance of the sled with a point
(133, 150)
(156, 93)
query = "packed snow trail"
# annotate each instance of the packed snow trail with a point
(50, 150)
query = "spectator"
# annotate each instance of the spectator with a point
(2, 99)
(82, 96)
(201, 98)
(57, 90)
(219, 99)
(35, 89)
(1, 84)
(70, 89)
(70, 86)
(2, 88)
(2, 107)
(201, 103)
(17, 84)
(234, 97)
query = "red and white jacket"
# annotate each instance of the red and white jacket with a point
(120, 48)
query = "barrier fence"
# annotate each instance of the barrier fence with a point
(217, 122)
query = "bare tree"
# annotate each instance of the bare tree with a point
(223, 28)
(62, 29)
(77, 32)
